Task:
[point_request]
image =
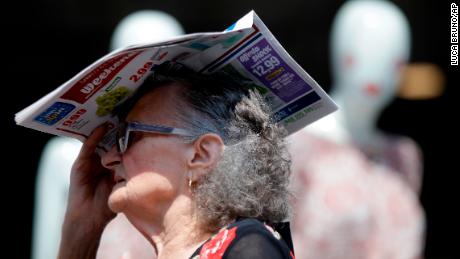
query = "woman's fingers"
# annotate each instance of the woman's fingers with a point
(90, 144)
(87, 168)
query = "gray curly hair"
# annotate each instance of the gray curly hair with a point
(252, 177)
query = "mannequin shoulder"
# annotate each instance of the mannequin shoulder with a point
(60, 152)
(329, 128)
(403, 146)
(62, 145)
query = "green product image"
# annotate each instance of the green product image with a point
(107, 102)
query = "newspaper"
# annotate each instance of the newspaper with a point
(246, 48)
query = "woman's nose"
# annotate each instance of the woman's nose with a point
(111, 159)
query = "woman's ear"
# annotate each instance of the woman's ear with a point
(207, 151)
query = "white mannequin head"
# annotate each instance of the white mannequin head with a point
(370, 44)
(143, 27)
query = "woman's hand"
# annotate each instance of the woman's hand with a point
(87, 210)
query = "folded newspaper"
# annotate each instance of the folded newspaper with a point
(247, 48)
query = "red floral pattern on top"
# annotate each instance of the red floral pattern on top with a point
(348, 206)
(216, 247)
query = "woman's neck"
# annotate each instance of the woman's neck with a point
(177, 234)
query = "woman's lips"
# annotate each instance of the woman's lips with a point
(118, 179)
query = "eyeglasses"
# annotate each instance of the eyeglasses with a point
(126, 127)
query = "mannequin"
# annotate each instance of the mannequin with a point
(60, 153)
(357, 186)
(366, 65)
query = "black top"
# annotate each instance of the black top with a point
(248, 238)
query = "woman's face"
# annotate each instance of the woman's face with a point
(152, 172)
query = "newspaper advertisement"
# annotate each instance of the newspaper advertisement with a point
(246, 48)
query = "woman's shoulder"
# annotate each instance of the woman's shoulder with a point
(250, 224)
(247, 238)
(279, 231)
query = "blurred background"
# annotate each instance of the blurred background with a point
(47, 42)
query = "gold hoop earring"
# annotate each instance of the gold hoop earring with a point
(190, 179)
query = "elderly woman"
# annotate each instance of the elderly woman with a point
(200, 169)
